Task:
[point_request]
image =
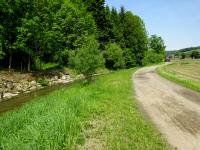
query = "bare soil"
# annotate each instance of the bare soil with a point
(175, 110)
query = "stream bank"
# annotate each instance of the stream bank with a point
(13, 84)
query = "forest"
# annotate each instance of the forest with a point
(78, 33)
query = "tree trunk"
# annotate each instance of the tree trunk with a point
(29, 63)
(10, 62)
(21, 66)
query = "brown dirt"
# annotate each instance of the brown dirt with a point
(175, 110)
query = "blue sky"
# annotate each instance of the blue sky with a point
(177, 21)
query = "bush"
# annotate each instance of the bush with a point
(114, 56)
(195, 55)
(87, 58)
(129, 58)
(43, 81)
(152, 58)
(183, 55)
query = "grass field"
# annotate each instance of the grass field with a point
(185, 73)
(102, 115)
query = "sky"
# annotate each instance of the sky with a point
(176, 21)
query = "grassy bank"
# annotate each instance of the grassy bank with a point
(183, 73)
(103, 115)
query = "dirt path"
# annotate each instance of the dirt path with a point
(174, 109)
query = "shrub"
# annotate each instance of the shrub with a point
(183, 55)
(87, 58)
(195, 55)
(152, 58)
(129, 58)
(114, 56)
(43, 81)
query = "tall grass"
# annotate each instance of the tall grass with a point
(101, 115)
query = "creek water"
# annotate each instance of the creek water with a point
(19, 100)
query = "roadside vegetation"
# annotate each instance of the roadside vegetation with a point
(103, 115)
(185, 73)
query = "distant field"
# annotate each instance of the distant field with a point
(188, 69)
(185, 72)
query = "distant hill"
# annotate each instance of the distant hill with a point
(187, 51)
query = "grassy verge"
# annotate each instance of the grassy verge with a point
(173, 76)
(103, 115)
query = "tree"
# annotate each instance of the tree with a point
(183, 55)
(156, 44)
(156, 51)
(195, 55)
(135, 36)
(71, 25)
(2, 54)
(97, 9)
(87, 58)
(114, 56)
(152, 58)
(27, 38)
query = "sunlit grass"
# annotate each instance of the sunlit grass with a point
(184, 73)
(104, 111)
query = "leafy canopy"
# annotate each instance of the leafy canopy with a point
(114, 56)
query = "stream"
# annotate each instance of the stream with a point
(19, 100)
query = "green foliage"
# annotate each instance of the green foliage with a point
(156, 44)
(43, 81)
(183, 55)
(114, 56)
(152, 57)
(156, 52)
(2, 54)
(135, 36)
(49, 31)
(195, 55)
(97, 9)
(44, 30)
(129, 57)
(49, 66)
(87, 58)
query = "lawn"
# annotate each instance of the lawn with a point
(102, 115)
(185, 73)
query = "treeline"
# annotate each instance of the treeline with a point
(189, 49)
(33, 32)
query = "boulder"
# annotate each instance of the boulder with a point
(68, 77)
(33, 88)
(33, 83)
(18, 87)
(9, 85)
(56, 78)
(64, 77)
(60, 75)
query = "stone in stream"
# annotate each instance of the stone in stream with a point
(9, 85)
(33, 83)
(33, 88)
(2, 89)
(1, 94)
(64, 77)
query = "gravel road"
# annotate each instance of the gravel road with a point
(175, 110)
